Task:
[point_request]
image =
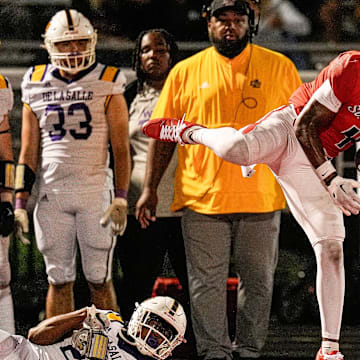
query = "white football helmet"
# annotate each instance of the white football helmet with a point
(158, 325)
(67, 25)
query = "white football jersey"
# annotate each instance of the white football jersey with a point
(117, 347)
(6, 97)
(72, 119)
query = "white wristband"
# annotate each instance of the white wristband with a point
(325, 169)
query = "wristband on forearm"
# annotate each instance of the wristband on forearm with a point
(24, 178)
(326, 172)
(7, 175)
(20, 203)
(121, 193)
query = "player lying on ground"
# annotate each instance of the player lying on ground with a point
(156, 327)
(297, 142)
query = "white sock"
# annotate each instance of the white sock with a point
(330, 289)
(7, 321)
(188, 135)
(328, 346)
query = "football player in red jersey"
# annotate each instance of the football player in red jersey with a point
(298, 142)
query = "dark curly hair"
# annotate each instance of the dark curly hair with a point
(136, 63)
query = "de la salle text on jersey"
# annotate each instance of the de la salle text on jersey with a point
(68, 95)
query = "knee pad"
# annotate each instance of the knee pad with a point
(331, 249)
(5, 291)
(58, 276)
(97, 274)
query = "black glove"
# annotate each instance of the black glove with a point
(7, 219)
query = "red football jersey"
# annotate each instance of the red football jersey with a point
(337, 87)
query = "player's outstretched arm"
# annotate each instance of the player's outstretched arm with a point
(314, 117)
(117, 118)
(57, 328)
(27, 164)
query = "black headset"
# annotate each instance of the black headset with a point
(253, 23)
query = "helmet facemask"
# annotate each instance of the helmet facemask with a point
(154, 335)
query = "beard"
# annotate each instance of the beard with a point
(229, 48)
(155, 76)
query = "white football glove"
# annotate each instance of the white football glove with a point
(96, 319)
(345, 197)
(117, 211)
(21, 225)
(21, 216)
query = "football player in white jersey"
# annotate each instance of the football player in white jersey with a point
(6, 207)
(72, 108)
(156, 327)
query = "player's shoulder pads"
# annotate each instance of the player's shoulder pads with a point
(109, 73)
(4, 84)
(38, 73)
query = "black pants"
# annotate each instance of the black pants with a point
(141, 253)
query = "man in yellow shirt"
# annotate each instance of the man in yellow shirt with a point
(232, 83)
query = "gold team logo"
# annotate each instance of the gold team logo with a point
(255, 83)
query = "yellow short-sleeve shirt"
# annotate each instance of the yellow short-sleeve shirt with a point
(216, 91)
